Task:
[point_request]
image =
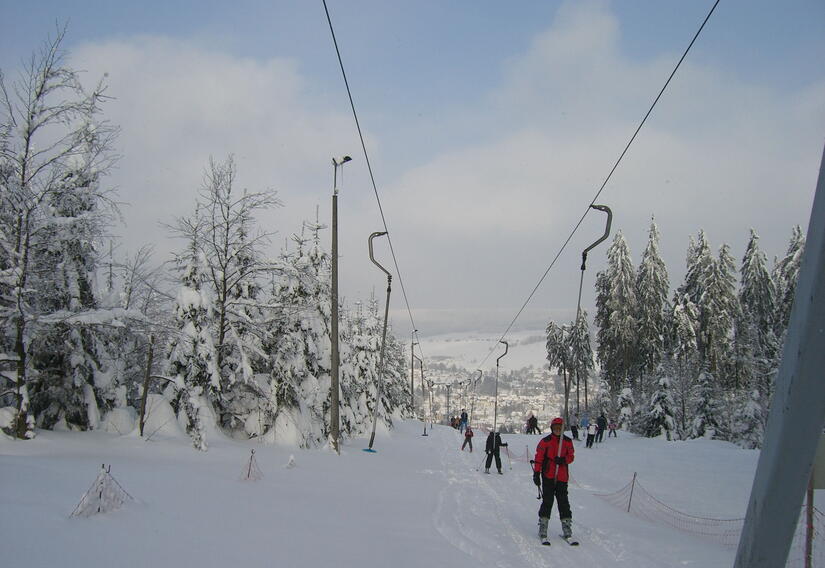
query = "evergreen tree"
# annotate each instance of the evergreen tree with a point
(786, 274)
(684, 357)
(659, 419)
(299, 345)
(651, 295)
(191, 359)
(707, 408)
(581, 354)
(626, 404)
(616, 306)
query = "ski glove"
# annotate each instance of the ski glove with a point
(537, 478)
(560, 460)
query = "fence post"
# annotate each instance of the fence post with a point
(632, 485)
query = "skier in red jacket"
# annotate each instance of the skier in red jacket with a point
(550, 472)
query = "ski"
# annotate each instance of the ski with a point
(545, 542)
(569, 540)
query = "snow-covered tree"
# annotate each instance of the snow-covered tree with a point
(581, 355)
(651, 295)
(299, 346)
(786, 274)
(192, 356)
(626, 404)
(559, 357)
(708, 408)
(684, 356)
(616, 314)
(54, 150)
(659, 419)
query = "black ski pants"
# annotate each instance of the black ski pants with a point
(497, 454)
(599, 434)
(550, 489)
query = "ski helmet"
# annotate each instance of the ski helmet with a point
(558, 421)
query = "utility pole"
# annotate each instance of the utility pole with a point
(334, 419)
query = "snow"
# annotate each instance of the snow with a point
(418, 501)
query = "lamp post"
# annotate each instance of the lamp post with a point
(334, 419)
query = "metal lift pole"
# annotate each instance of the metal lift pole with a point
(473, 399)
(604, 209)
(495, 410)
(383, 342)
(797, 412)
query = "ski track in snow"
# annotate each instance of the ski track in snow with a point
(493, 519)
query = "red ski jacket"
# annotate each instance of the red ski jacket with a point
(546, 453)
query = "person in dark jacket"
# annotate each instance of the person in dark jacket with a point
(554, 453)
(468, 439)
(601, 422)
(492, 448)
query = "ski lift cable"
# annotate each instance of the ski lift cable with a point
(369, 169)
(604, 184)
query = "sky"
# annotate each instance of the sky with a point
(489, 126)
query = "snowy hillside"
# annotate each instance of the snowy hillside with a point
(468, 350)
(418, 502)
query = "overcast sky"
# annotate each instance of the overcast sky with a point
(490, 127)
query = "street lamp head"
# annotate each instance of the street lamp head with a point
(340, 161)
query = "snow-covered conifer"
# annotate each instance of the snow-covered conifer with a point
(708, 409)
(659, 419)
(651, 296)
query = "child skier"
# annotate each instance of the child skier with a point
(591, 434)
(554, 454)
(468, 439)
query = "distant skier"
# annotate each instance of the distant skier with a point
(550, 472)
(462, 420)
(468, 439)
(492, 448)
(611, 429)
(591, 434)
(574, 427)
(601, 422)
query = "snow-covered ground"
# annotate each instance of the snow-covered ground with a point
(418, 501)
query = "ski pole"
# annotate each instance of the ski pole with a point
(482, 461)
(537, 487)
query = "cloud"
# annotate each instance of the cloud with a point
(475, 226)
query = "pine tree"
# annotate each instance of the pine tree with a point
(192, 357)
(659, 419)
(581, 354)
(786, 275)
(684, 356)
(651, 295)
(707, 408)
(757, 345)
(299, 344)
(626, 404)
(616, 307)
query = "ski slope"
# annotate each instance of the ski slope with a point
(418, 501)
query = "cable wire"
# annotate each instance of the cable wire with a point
(369, 168)
(604, 184)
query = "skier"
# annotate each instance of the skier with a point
(468, 439)
(591, 434)
(601, 422)
(574, 427)
(492, 448)
(611, 430)
(550, 472)
(462, 421)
